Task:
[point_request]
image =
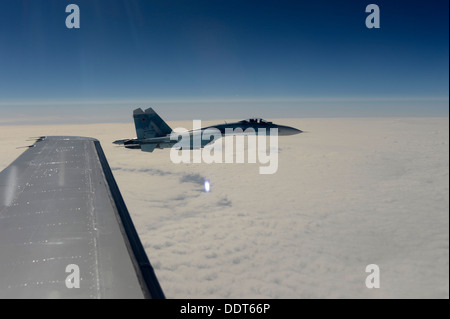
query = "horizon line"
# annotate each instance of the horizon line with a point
(53, 102)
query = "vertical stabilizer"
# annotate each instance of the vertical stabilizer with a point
(149, 124)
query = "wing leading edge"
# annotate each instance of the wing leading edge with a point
(60, 206)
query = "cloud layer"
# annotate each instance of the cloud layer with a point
(348, 193)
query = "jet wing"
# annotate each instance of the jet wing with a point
(63, 221)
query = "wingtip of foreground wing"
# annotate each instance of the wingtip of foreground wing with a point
(63, 138)
(58, 138)
(71, 138)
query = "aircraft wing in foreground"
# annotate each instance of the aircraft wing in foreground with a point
(62, 216)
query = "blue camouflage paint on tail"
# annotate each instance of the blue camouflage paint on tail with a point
(149, 124)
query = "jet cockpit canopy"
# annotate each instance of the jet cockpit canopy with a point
(255, 121)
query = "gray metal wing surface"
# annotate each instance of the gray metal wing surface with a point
(60, 206)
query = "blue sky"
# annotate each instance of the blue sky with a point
(223, 59)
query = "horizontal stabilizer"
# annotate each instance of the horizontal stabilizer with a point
(148, 147)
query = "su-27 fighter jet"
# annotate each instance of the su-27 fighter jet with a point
(152, 132)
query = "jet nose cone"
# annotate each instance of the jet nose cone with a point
(287, 130)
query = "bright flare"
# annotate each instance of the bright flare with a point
(207, 186)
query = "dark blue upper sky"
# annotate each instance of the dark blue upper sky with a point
(303, 56)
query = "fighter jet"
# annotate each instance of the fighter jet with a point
(152, 132)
